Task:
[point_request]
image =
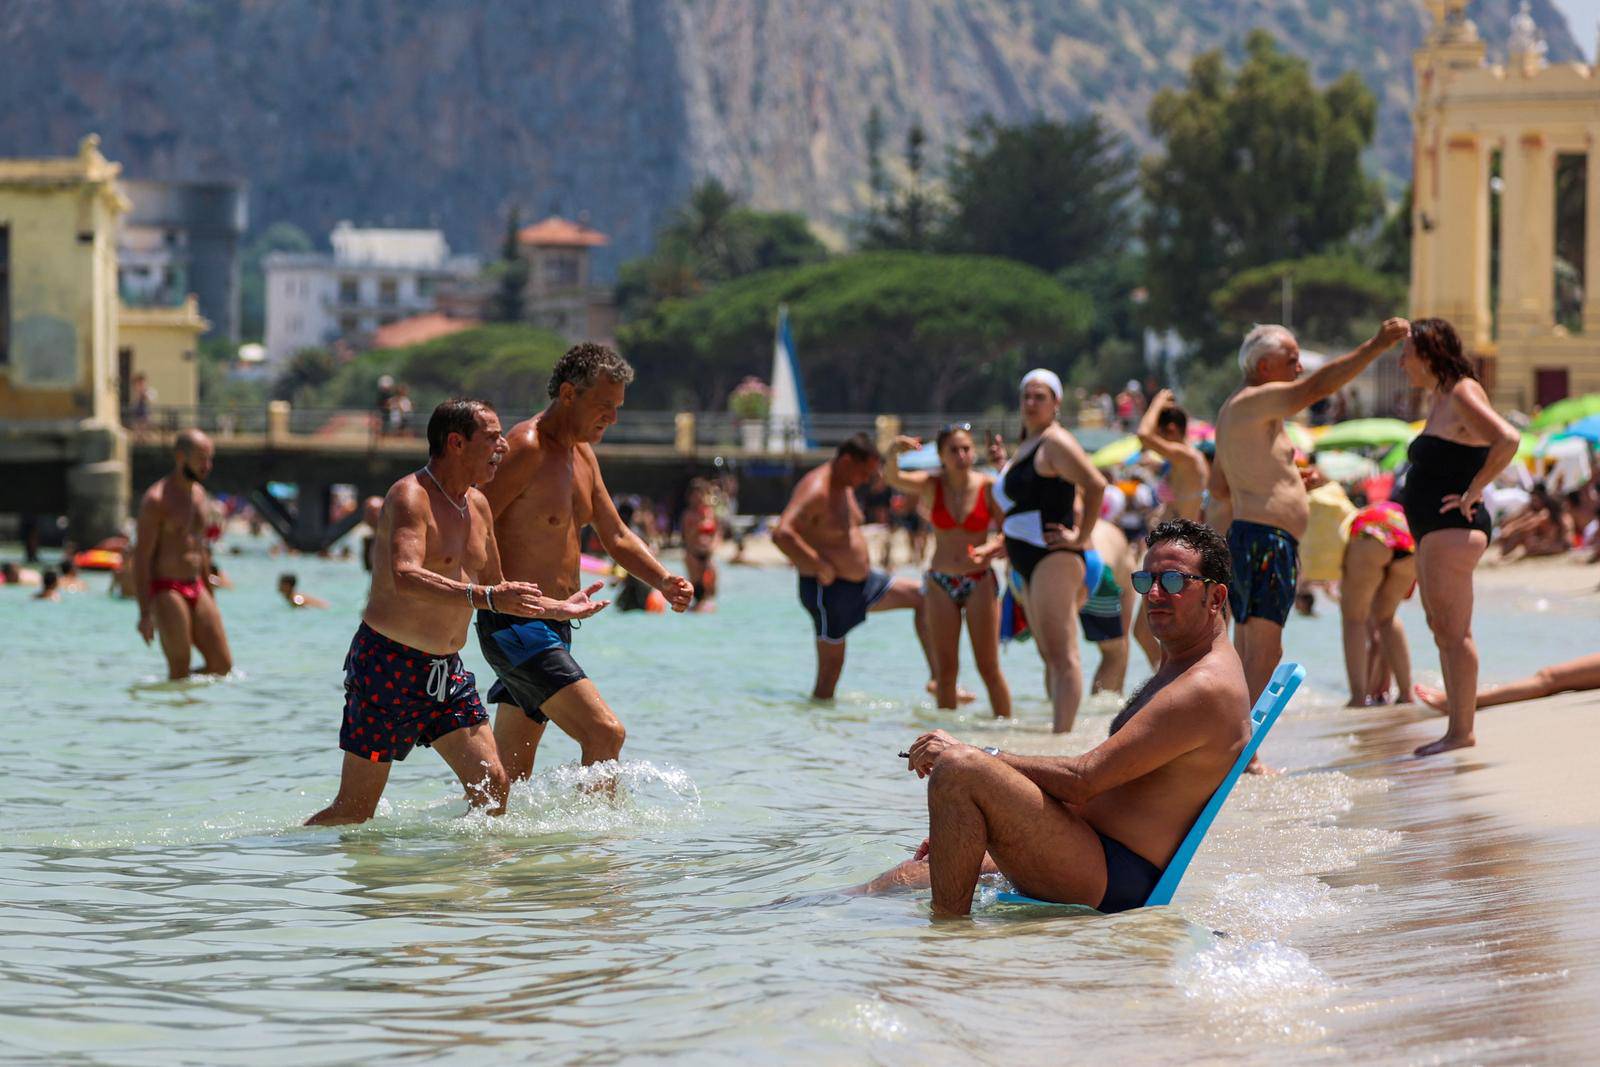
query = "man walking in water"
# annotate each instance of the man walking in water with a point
(171, 560)
(820, 531)
(1255, 469)
(548, 489)
(434, 561)
(1098, 829)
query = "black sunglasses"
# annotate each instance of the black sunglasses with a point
(1171, 581)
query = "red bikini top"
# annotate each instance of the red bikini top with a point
(977, 520)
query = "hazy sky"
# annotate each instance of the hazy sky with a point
(1582, 16)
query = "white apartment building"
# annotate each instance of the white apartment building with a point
(371, 279)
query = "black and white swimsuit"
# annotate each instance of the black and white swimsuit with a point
(1031, 501)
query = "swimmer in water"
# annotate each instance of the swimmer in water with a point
(435, 562)
(287, 584)
(1098, 829)
(71, 580)
(960, 579)
(548, 490)
(50, 587)
(820, 532)
(700, 537)
(171, 558)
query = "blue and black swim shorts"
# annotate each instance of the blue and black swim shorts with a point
(837, 609)
(532, 660)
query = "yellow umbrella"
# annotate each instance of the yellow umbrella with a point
(1116, 453)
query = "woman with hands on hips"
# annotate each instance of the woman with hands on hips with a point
(1462, 447)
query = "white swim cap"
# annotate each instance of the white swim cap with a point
(1039, 374)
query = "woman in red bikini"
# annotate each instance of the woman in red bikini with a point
(964, 519)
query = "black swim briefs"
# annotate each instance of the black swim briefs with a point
(1129, 877)
(532, 660)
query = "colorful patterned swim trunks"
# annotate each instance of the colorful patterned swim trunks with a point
(396, 698)
(1266, 568)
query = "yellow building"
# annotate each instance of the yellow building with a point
(60, 439)
(1528, 114)
(161, 343)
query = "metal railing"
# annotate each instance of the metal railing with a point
(712, 429)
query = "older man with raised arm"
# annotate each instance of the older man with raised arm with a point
(434, 561)
(171, 560)
(820, 532)
(549, 488)
(1255, 471)
(1098, 829)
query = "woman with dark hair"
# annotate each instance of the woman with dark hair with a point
(1463, 446)
(1046, 547)
(959, 508)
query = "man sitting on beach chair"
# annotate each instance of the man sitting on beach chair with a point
(1099, 828)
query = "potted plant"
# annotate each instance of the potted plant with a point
(750, 401)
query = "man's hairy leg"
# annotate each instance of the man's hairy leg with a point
(516, 738)
(977, 804)
(360, 786)
(584, 716)
(830, 664)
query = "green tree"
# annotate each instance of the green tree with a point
(1258, 166)
(1335, 298)
(910, 217)
(713, 238)
(1050, 194)
(877, 331)
(506, 364)
(511, 281)
(279, 237)
(307, 371)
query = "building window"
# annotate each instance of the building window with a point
(388, 292)
(560, 271)
(5, 295)
(349, 290)
(347, 325)
(424, 287)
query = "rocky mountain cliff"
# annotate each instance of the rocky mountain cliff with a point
(447, 112)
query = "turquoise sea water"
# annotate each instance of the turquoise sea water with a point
(160, 903)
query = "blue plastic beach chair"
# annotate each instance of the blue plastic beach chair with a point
(1285, 680)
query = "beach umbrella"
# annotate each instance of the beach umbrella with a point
(1116, 453)
(1562, 412)
(1587, 428)
(1366, 432)
(1340, 466)
(1345, 466)
(1300, 437)
(1528, 446)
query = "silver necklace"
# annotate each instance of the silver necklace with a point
(428, 470)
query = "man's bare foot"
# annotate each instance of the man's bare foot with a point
(1445, 744)
(1257, 767)
(962, 696)
(1434, 698)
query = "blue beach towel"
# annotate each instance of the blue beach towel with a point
(1285, 680)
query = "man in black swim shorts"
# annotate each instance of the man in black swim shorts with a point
(1098, 829)
(820, 531)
